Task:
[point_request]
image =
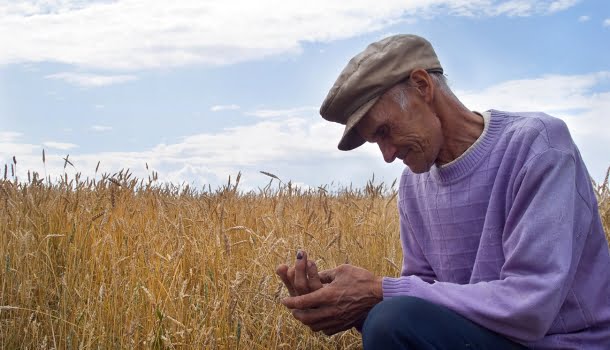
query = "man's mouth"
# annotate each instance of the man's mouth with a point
(402, 155)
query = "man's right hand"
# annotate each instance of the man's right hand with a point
(301, 279)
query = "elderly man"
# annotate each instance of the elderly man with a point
(502, 240)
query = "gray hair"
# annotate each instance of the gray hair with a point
(440, 80)
(400, 97)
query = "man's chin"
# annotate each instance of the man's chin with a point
(418, 169)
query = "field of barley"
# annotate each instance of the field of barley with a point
(118, 262)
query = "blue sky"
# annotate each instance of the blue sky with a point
(202, 90)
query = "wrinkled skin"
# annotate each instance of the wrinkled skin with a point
(413, 133)
(301, 279)
(330, 301)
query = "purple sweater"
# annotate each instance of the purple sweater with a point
(509, 236)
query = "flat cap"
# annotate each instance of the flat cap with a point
(368, 75)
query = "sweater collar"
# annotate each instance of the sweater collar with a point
(468, 161)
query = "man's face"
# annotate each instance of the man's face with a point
(412, 134)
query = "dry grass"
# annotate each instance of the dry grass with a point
(118, 263)
(122, 263)
(603, 200)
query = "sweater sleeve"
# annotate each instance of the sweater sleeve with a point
(414, 262)
(542, 240)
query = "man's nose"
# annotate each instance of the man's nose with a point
(388, 151)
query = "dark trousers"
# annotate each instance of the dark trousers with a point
(414, 323)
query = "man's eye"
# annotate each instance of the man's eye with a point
(381, 132)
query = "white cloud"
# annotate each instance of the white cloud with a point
(552, 93)
(607, 22)
(561, 5)
(302, 146)
(572, 98)
(101, 128)
(265, 141)
(516, 7)
(22, 151)
(143, 34)
(211, 158)
(291, 112)
(583, 18)
(38, 7)
(9, 136)
(59, 145)
(91, 80)
(528, 8)
(219, 108)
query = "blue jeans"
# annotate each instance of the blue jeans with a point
(414, 323)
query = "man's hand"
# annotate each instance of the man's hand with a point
(301, 279)
(346, 300)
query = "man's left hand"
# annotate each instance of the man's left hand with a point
(345, 300)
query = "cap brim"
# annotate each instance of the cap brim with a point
(351, 139)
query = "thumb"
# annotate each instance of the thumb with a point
(327, 276)
(313, 277)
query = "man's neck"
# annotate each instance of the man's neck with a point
(461, 128)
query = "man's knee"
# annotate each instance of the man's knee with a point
(379, 320)
(397, 319)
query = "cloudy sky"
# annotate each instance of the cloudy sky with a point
(200, 90)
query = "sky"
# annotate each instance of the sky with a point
(201, 90)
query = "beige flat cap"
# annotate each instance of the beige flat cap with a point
(368, 75)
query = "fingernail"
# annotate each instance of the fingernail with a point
(309, 264)
(299, 255)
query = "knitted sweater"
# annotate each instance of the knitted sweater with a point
(509, 236)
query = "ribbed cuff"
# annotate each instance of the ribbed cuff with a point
(393, 287)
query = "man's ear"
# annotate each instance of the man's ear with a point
(421, 80)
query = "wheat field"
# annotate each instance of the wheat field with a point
(118, 262)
